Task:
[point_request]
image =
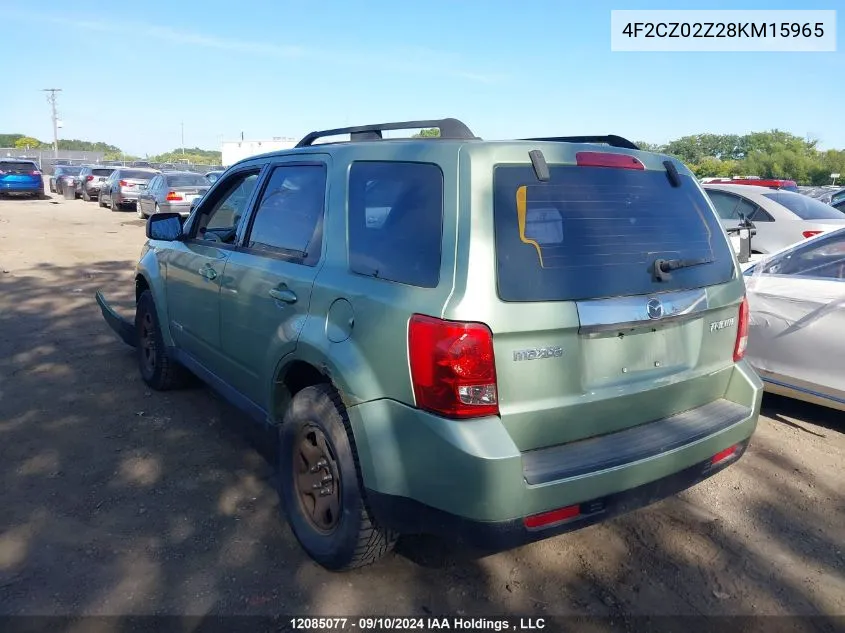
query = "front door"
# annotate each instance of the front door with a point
(195, 268)
(266, 288)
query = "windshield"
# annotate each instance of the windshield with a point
(804, 207)
(186, 180)
(593, 232)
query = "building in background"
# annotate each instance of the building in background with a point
(233, 151)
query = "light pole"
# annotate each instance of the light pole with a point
(183, 138)
(51, 98)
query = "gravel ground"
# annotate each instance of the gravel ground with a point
(116, 500)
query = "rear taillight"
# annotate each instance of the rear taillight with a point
(453, 369)
(741, 331)
(89, 178)
(172, 195)
(607, 159)
(123, 183)
(807, 234)
(36, 173)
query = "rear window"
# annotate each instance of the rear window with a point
(594, 232)
(804, 207)
(141, 175)
(102, 172)
(186, 180)
(17, 167)
(396, 221)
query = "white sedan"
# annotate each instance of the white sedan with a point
(781, 218)
(796, 338)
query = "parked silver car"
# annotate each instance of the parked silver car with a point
(172, 191)
(90, 179)
(123, 187)
(797, 306)
(781, 218)
(63, 175)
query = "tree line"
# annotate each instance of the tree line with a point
(194, 155)
(772, 154)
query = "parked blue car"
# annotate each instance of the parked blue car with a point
(20, 177)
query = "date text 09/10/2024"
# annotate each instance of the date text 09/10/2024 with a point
(418, 624)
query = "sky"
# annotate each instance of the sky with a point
(132, 73)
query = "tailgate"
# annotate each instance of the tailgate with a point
(589, 339)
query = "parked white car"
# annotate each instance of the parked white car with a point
(796, 299)
(781, 218)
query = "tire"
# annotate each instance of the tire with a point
(100, 201)
(158, 369)
(349, 537)
(85, 196)
(140, 213)
(114, 208)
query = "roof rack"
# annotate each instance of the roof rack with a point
(449, 129)
(610, 139)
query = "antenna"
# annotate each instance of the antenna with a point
(51, 99)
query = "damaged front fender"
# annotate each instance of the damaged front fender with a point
(123, 327)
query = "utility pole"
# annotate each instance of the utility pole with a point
(51, 98)
(183, 138)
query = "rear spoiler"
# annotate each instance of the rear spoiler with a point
(610, 139)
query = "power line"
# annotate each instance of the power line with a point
(51, 98)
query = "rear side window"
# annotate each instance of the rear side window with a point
(594, 232)
(804, 207)
(396, 221)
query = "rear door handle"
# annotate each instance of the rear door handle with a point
(208, 272)
(283, 294)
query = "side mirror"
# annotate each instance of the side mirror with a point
(164, 226)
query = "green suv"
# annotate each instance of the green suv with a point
(491, 341)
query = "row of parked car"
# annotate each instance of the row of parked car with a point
(146, 190)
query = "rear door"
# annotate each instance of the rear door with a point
(266, 288)
(589, 337)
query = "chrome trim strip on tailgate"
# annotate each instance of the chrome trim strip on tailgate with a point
(630, 445)
(620, 312)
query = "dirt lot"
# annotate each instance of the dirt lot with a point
(116, 500)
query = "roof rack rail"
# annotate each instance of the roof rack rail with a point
(610, 139)
(449, 129)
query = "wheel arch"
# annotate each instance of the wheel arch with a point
(149, 277)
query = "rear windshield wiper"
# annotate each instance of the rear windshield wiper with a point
(663, 267)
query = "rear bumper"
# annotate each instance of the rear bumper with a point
(467, 479)
(22, 187)
(409, 516)
(126, 198)
(183, 209)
